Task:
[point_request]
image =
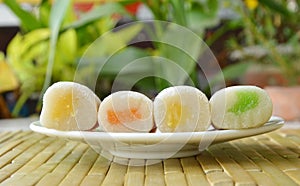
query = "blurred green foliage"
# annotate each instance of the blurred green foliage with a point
(53, 39)
(49, 44)
(269, 34)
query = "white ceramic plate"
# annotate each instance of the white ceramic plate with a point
(156, 145)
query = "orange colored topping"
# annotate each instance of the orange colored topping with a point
(112, 117)
(123, 116)
(134, 112)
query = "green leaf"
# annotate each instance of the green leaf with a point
(33, 38)
(277, 7)
(124, 57)
(30, 58)
(178, 12)
(231, 72)
(112, 41)
(57, 14)
(121, 38)
(181, 48)
(203, 15)
(106, 9)
(108, 48)
(44, 12)
(67, 46)
(28, 21)
(8, 80)
(159, 9)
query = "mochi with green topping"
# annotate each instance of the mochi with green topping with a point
(240, 107)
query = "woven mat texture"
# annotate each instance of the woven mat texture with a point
(28, 158)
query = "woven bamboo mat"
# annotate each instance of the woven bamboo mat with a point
(28, 158)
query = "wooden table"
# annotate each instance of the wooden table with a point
(28, 158)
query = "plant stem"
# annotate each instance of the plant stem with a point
(21, 101)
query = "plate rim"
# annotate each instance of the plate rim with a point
(274, 123)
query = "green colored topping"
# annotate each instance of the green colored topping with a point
(246, 100)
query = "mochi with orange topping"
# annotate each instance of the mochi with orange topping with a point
(69, 106)
(181, 109)
(126, 111)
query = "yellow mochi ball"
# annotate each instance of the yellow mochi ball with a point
(69, 106)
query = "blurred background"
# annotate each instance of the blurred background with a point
(255, 42)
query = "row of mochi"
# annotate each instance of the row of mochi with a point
(70, 106)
